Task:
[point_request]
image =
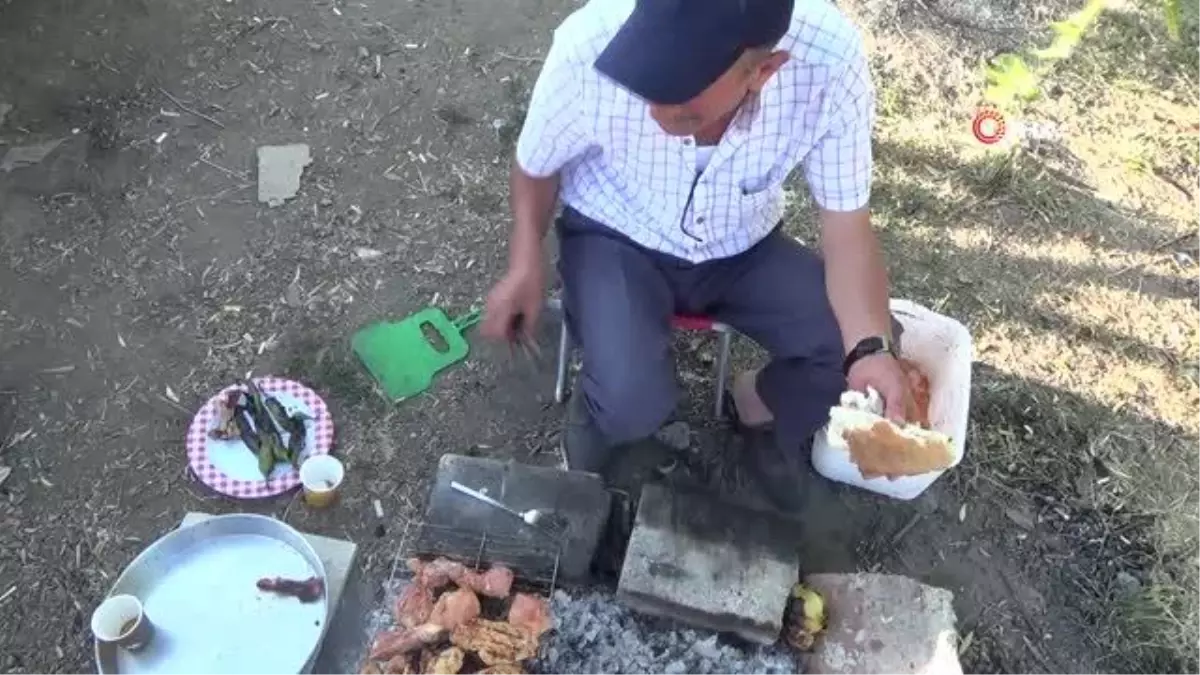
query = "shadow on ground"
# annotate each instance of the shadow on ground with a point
(1068, 521)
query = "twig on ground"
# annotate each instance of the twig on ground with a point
(1012, 589)
(215, 122)
(522, 59)
(1174, 242)
(1162, 175)
(216, 195)
(907, 526)
(1037, 654)
(287, 509)
(231, 172)
(385, 116)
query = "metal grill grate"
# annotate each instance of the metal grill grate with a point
(534, 565)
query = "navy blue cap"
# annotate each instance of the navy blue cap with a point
(669, 51)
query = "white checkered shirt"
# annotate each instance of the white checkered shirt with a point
(618, 166)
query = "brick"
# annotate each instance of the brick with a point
(455, 523)
(708, 563)
(884, 623)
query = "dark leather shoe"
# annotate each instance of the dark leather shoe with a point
(780, 476)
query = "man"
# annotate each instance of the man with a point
(668, 129)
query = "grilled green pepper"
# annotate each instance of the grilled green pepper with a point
(266, 456)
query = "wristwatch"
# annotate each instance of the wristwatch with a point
(868, 347)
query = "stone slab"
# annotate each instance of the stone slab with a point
(344, 639)
(702, 561)
(884, 623)
(455, 523)
(279, 171)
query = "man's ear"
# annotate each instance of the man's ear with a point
(768, 67)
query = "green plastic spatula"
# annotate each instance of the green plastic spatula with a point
(404, 356)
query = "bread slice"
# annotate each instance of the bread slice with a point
(878, 447)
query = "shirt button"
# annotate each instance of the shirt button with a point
(700, 220)
(687, 141)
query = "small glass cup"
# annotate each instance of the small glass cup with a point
(121, 620)
(321, 476)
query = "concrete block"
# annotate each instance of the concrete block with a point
(701, 561)
(884, 623)
(455, 523)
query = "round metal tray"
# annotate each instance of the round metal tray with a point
(197, 585)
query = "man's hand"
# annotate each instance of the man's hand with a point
(856, 281)
(883, 373)
(519, 293)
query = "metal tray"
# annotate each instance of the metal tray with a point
(197, 585)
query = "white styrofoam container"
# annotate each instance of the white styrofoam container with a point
(942, 347)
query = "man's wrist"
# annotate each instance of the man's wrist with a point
(868, 347)
(521, 260)
(524, 249)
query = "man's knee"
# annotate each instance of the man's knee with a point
(631, 400)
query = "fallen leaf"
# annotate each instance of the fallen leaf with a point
(172, 395)
(1021, 518)
(962, 513)
(5, 472)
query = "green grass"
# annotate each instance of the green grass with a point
(1063, 263)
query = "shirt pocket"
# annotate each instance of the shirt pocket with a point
(757, 184)
(756, 205)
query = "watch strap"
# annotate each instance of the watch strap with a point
(868, 346)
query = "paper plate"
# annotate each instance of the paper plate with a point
(229, 467)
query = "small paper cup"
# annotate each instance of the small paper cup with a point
(321, 476)
(120, 620)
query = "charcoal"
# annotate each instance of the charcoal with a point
(596, 634)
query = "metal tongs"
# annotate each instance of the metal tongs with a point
(528, 346)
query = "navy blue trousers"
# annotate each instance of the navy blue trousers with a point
(619, 298)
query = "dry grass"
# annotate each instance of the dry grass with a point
(1074, 264)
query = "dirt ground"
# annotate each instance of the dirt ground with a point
(140, 275)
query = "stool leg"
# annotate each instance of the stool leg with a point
(722, 372)
(560, 375)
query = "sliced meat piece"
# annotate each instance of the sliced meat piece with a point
(414, 605)
(401, 664)
(918, 384)
(305, 590)
(425, 660)
(455, 608)
(435, 573)
(496, 582)
(503, 669)
(449, 662)
(531, 613)
(404, 640)
(494, 641)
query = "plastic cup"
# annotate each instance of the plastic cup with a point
(121, 620)
(321, 476)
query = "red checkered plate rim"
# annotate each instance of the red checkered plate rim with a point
(319, 440)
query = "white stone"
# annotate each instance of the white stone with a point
(279, 170)
(883, 623)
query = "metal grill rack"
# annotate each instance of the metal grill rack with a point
(534, 563)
